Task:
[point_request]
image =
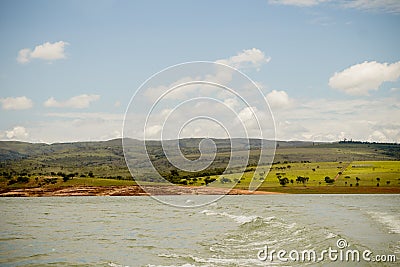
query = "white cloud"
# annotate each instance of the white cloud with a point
(86, 115)
(24, 55)
(73, 127)
(250, 58)
(231, 103)
(16, 103)
(278, 99)
(297, 2)
(332, 120)
(361, 78)
(47, 51)
(153, 132)
(80, 101)
(389, 6)
(17, 133)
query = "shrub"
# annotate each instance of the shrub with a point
(23, 179)
(328, 180)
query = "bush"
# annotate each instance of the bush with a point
(283, 181)
(328, 180)
(11, 182)
(209, 180)
(23, 179)
(225, 180)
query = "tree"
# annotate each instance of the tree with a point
(174, 173)
(91, 175)
(388, 182)
(301, 179)
(378, 179)
(209, 180)
(283, 181)
(328, 180)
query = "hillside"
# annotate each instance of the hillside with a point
(105, 159)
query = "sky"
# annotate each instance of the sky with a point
(328, 69)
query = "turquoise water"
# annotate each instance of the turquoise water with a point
(139, 231)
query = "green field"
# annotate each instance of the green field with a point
(356, 174)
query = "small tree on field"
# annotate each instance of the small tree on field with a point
(328, 180)
(283, 181)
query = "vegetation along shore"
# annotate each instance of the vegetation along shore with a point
(99, 168)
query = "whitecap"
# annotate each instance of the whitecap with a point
(330, 235)
(390, 221)
(112, 264)
(240, 219)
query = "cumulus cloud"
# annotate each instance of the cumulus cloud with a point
(47, 51)
(278, 99)
(80, 101)
(332, 120)
(361, 78)
(17, 133)
(297, 2)
(250, 58)
(16, 103)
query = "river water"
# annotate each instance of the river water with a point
(234, 231)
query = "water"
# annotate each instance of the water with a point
(139, 231)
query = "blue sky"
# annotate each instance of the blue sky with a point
(329, 69)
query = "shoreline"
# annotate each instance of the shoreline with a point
(154, 190)
(133, 190)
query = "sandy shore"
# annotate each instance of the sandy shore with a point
(125, 191)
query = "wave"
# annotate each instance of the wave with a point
(184, 265)
(112, 264)
(390, 221)
(240, 219)
(212, 261)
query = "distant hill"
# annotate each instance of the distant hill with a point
(106, 158)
